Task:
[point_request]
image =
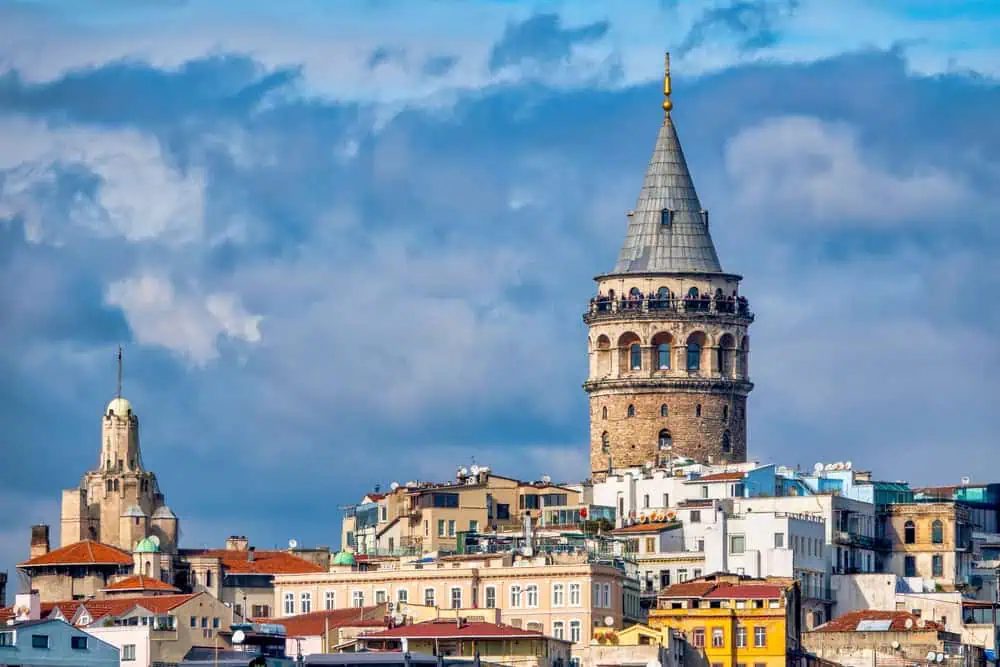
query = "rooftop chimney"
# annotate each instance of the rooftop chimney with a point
(251, 553)
(237, 543)
(39, 540)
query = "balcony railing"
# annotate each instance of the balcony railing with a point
(646, 306)
(848, 538)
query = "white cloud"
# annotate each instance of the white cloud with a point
(188, 324)
(810, 172)
(138, 195)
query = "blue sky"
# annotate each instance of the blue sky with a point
(349, 243)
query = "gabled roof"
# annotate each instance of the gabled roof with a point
(873, 620)
(87, 552)
(687, 589)
(264, 562)
(450, 629)
(312, 624)
(142, 583)
(684, 244)
(657, 527)
(747, 592)
(97, 609)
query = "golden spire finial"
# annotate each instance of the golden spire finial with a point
(667, 104)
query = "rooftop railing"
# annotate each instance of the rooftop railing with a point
(645, 305)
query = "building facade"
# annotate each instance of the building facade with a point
(930, 540)
(668, 331)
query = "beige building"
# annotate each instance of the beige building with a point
(118, 502)
(668, 341)
(930, 540)
(421, 517)
(563, 596)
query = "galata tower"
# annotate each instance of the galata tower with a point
(668, 331)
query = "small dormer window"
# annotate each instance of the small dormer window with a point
(666, 217)
(704, 217)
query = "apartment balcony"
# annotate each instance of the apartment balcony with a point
(851, 539)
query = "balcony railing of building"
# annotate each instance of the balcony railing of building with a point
(646, 305)
(848, 538)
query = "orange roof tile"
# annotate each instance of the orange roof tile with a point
(158, 604)
(86, 552)
(688, 589)
(746, 592)
(449, 629)
(312, 624)
(849, 621)
(142, 583)
(657, 527)
(264, 562)
(719, 477)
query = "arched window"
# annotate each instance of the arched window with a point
(693, 293)
(604, 412)
(629, 352)
(726, 444)
(635, 356)
(663, 297)
(635, 292)
(697, 410)
(630, 411)
(909, 533)
(724, 353)
(694, 345)
(605, 443)
(665, 441)
(110, 485)
(149, 568)
(664, 410)
(744, 357)
(725, 413)
(116, 485)
(663, 356)
(937, 532)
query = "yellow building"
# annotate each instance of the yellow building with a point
(733, 621)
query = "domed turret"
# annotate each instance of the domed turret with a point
(165, 527)
(344, 558)
(119, 407)
(148, 545)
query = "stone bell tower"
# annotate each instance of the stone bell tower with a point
(668, 331)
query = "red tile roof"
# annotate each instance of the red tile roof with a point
(86, 552)
(849, 621)
(449, 629)
(656, 527)
(688, 589)
(264, 562)
(747, 592)
(158, 604)
(142, 583)
(719, 477)
(312, 624)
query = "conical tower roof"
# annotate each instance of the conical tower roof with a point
(668, 231)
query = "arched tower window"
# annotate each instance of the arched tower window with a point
(695, 342)
(116, 485)
(630, 351)
(604, 412)
(937, 532)
(149, 568)
(697, 410)
(635, 292)
(744, 357)
(630, 411)
(909, 532)
(662, 298)
(603, 355)
(664, 441)
(725, 352)
(664, 410)
(661, 343)
(693, 293)
(726, 444)
(635, 357)
(605, 443)
(725, 413)
(110, 485)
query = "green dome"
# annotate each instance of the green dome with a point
(344, 558)
(147, 546)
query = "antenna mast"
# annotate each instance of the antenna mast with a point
(119, 394)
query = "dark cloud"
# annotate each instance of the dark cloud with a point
(757, 24)
(384, 55)
(541, 39)
(439, 65)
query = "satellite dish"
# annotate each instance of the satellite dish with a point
(848, 465)
(398, 618)
(394, 486)
(239, 637)
(931, 656)
(474, 469)
(609, 621)
(546, 479)
(909, 623)
(940, 657)
(464, 471)
(895, 645)
(154, 539)
(292, 543)
(818, 467)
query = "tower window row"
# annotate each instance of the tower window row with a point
(630, 411)
(728, 357)
(664, 441)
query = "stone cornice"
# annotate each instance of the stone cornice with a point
(659, 384)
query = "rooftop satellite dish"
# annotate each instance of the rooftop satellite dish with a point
(546, 479)
(464, 471)
(239, 637)
(848, 465)
(930, 656)
(818, 467)
(940, 657)
(829, 466)
(609, 621)
(895, 645)
(292, 543)
(909, 623)
(394, 486)
(474, 469)
(398, 618)
(154, 539)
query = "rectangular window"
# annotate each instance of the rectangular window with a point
(515, 596)
(204, 622)
(260, 611)
(704, 492)
(695, 516)
(779, 540)
(574, 595)
(682, 575)
(441, 527)
(6, 638)
(558, 595)
(665, 217)
(445, 500)
(306, 600)
(650, 545)
(937, 565)
(451, 528)
(289, 607)
(456, 598)
(759, 636)
(741, 636)
(558, 629)
(503, 511)
(606, 596)
(78, 643)
(380, 597)
(532, 591)
(491, 597)
(701, 544)
(737, 544)
(529, 501)
(358, 599)
(473, 526)
(910, 566)
(666, 500)
(330, 600)
(698, 637)
(697, 572)
(429, 597)
(128, 652)
(645, 501)
(194, 619)
(39, 641)
(215, 623)
(574, 631)
(402, 595)
(718, 638)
